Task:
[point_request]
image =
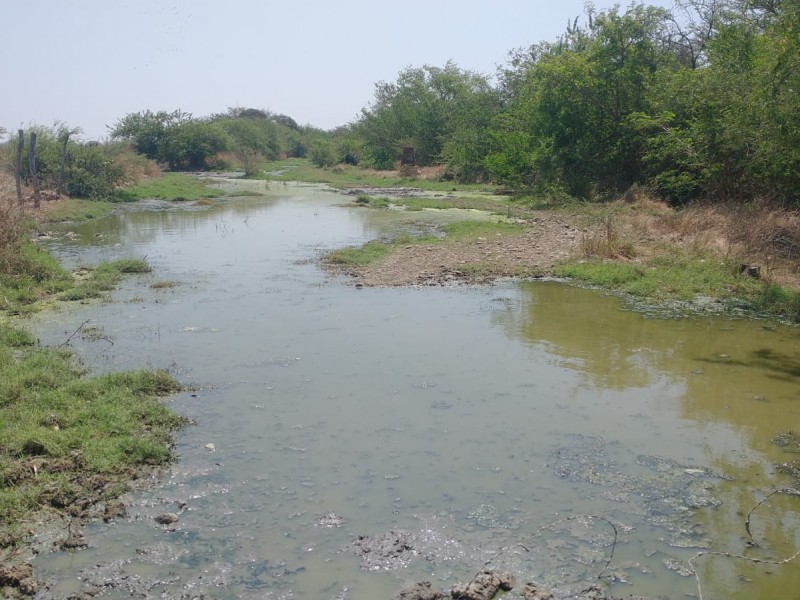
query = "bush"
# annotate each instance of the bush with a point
(322, 153)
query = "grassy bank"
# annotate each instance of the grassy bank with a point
(67, 440)
(171, 186)
(741, 258)
(31, 278)
(711, 257)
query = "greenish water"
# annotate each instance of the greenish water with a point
(467, 418)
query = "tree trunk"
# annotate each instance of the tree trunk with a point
(18, 166)
(63, 162)
(32, 166)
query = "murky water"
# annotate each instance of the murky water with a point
(463, 420)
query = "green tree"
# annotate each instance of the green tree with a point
(175, 138)
(322, 153)
(424, 108)
(567, 118)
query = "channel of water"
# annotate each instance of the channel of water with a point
(462, 419)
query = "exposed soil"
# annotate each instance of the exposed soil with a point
(546, 241)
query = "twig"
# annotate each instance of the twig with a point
(791, 491)
(74, 333)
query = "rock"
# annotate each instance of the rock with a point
(419, 591)
(532, 592)
(75, 541)
(167, 519)
(484, 586)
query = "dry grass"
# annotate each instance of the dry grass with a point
(135, 166)
(10, 215)
(605, 241)
(640, 226)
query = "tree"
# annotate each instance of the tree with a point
(567, 116)
(174, 138)
(423, 109)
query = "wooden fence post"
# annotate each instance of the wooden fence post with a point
(63, 162)
(18, 165)
(32, 166)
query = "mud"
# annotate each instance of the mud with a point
(385, 552)
(484, 586)
(17, 578)
(419, 591)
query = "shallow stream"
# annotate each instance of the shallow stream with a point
(458, 421)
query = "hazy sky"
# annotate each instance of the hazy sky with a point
(90, 62)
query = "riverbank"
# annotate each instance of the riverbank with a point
(706, 258)
(70, 443)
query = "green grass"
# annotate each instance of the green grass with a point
(68, 440)
(369, 253)
(684, 277)
(661, 279)
(472, 230)
(65, 437)
(77, 210)
(172, 186)
(30, 276)
(458, 231)
(104, 278)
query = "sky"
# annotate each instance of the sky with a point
(88, 63)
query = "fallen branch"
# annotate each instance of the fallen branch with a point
(790, 491)
(752, 542)
(74, 333)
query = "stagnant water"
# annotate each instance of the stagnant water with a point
(460, 419)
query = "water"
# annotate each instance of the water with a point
(464, 419)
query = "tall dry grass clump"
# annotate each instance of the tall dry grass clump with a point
(758, 233)
(10, 224)
(604, 240)
(136, 168)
